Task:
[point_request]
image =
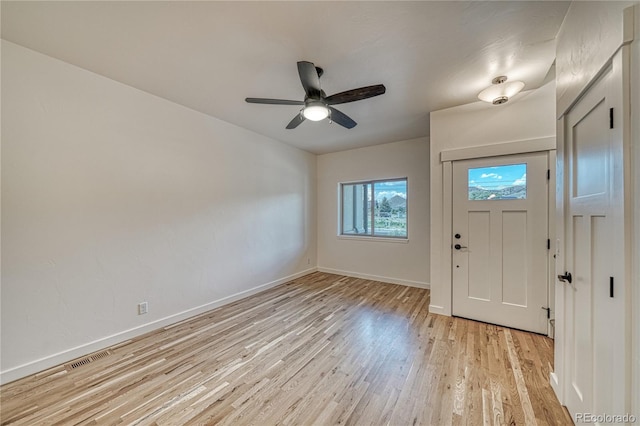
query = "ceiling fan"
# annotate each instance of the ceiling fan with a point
(316, 104)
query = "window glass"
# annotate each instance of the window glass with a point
(390, 208)
(498, 183)
(356, 209)
(374, 208)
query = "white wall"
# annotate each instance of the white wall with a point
(384, 260)
(591, 32)
(529, 115)
(112, 196)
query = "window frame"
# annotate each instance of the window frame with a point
(372, 236)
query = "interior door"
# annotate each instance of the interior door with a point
(594, 307)
(500, 240)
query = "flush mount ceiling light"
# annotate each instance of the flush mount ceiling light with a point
(315, 110)
(500, 91)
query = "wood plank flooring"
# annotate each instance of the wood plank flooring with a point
(323, 349)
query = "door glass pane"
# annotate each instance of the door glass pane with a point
(498, 183)
(356, 209)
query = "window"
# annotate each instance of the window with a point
(374, 208)
(498, 183)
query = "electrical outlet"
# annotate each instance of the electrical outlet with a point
(143, 308)
(308, 261)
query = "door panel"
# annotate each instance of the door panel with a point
(500, 258)
(589, 154)
(581, 373)
(514, 260)
(479, 229)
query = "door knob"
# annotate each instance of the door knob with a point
(458, 247)
(566, 277)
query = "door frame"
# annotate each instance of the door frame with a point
(447, 157)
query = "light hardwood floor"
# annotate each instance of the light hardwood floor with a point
(323, 349)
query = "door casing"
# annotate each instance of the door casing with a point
(509, 243)
(447, 157)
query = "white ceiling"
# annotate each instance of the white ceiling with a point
(209, 56)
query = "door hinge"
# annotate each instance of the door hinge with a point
(548, 312)
(610, 286)
(548, 244)
(548, 174)
(611, 118)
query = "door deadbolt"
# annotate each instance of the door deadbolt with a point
(457, 236)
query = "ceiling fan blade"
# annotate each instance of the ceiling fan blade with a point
(342, 119)
(299, 118)
(355, 94)
(309, 78)
(273, 101)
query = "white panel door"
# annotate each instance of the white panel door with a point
(594, 309)
(500, 232)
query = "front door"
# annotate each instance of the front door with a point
(500, 240)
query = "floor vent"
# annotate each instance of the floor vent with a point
(86, 360)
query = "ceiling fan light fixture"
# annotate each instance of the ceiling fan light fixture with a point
(315, 111)
(500, 91)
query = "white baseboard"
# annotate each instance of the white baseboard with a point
(555, 385)
(435, 309)
(409, 283)
(42, 364)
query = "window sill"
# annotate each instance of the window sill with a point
(377, 239)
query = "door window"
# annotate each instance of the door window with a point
(508, 182)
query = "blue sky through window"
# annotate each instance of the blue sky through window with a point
(389, 189)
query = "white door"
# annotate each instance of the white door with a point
(500, 240)
(594, 311)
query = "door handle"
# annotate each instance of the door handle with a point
(565, 278)
(458, 247)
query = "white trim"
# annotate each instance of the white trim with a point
(634, 189)
(538, 163)
(106, 342)
(551, 234)
(439, 310)
(447, 157)
(556, 377)
(378, 239)
(410, 283)
(498, 149)
(555, 385)
(446, 262)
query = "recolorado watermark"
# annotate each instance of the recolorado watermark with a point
(605, 418)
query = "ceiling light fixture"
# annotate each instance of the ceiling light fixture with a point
(500, 91)
(315, 111)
